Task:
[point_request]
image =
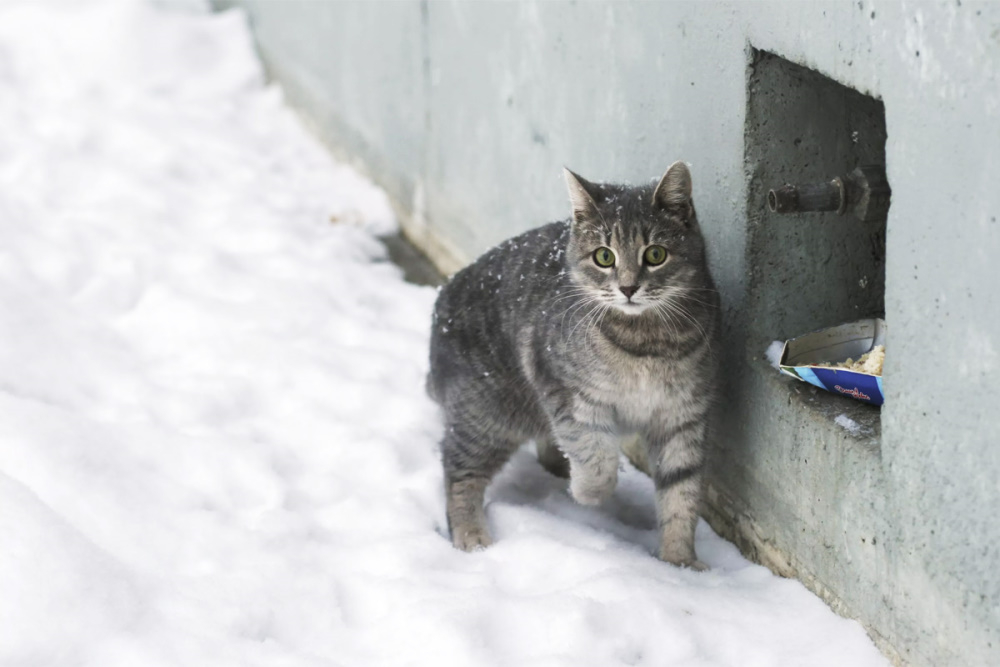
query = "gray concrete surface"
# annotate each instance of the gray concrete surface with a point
(466, 112)
(417, 267)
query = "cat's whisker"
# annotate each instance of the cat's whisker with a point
(666, 316)
(656, 311)
(573, 294)
(586, 301)
(581, 301)
(566, 293)
(594, 315)
(684, 293)
(675, 312)
(670, 308)
(683, 312)
(604, 313)
(584, 318)
(699, 302)
(600, 311)
(691, 289)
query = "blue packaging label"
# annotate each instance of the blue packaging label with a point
(867, 388)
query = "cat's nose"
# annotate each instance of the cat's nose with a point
(629, 291)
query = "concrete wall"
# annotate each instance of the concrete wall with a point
(466, 113)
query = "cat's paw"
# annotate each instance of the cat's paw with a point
(685, 561)
(590, 491)
(476, 539)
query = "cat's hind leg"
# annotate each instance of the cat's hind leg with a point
(470, 461)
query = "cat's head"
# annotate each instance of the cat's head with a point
(637, 248)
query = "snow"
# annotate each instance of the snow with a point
(848, 424)
(773, 353)
(216, 449)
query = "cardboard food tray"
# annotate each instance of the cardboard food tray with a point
(800, 358)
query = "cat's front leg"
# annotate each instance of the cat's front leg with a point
(679, 456)
(584, 434)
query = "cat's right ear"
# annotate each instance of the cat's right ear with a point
(584, 206)
(674, 189)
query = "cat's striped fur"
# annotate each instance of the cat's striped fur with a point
(536, 340)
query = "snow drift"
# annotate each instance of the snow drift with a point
(214, 443)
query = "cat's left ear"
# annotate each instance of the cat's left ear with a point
(673, 193)
(584, 206)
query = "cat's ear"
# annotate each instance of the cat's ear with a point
(584, 206)
(674, 190)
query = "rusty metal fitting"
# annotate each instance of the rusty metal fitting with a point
(865, 192)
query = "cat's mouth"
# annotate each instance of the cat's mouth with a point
(631, 307)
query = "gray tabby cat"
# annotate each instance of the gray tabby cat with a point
(580, 334)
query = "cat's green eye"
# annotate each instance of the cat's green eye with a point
(655, 254)
(604, 257)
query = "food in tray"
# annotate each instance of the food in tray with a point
(870, 362)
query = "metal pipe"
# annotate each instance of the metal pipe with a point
(865, 191)
(828, 196)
